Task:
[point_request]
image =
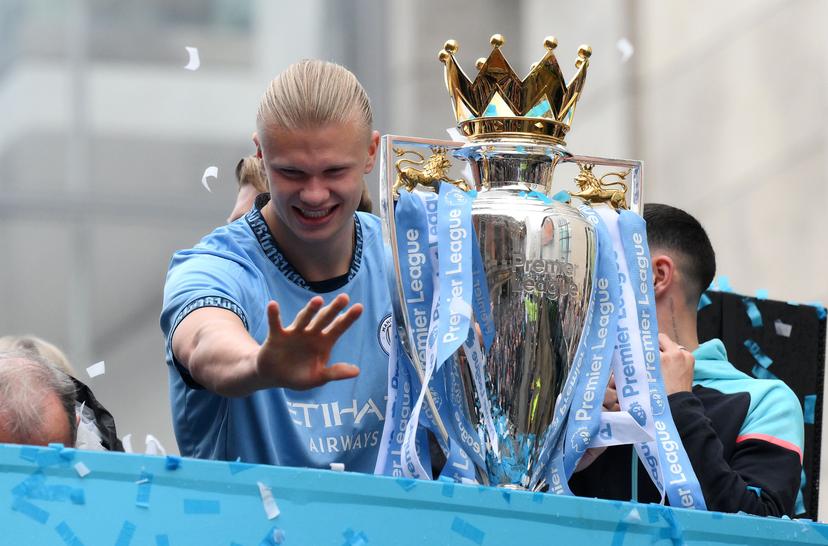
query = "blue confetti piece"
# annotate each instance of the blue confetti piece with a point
(49, 457)
(67, 534)
(562, 197)
(238, 466)
(34, 482)
(354, 539)
(620, 532)
(162, 540)
(752, 312)
(675, 529)
(762, 293)
(520, 149)
(523, 194)
(406, 483)
(809, 407)
(29, 453)
(448, 486)
(724, 284)
(144, 486)
(472, 193)
(467, 530)
(77, 496)
(172, 462)
(764, 360)
(541, 196)
(537, 497)
(126, 534)
(704, 301)
(201, 506)
(762, 373)
(28, 509)
(507, 496)
(820, 309)
(717, 515)
(757, 490)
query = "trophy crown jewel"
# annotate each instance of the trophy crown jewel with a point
(497, 103)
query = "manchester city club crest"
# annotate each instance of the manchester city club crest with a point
(384, 334)
(638, 413)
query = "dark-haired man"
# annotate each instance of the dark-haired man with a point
(743, 436)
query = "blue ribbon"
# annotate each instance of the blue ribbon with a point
(680, 480)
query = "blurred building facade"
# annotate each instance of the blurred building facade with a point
(105, 137)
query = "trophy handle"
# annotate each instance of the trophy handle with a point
(615, 192)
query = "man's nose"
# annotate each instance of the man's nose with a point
(315, 192)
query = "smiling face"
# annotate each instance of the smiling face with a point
(315, 178)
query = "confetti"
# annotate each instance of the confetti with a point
(153, 446)
(338, 467)
(809, 408)
(467, 530)
(626, 48)
(194, 62)
(144, 484)
(704, 301)
(82, 469)
(212, 170)
(268, 502)
(99, 368)
(127, 443)
(67, 534)
(126, 534)
(762, 293)
(28, 509)
(782, 329)
(633, 516)
(752, 312)
(764, 360)
(172, 462)
(201, 506)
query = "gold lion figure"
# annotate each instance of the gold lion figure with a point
(596, 190)
(431, 171)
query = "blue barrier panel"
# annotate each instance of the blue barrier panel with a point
(136, 500)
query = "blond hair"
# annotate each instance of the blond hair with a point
(312, 93)
(33, 345)
(250, 170)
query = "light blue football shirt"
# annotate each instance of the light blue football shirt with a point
(239, 267)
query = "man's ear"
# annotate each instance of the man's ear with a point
(664, 273)
(258, 145)
(373, 146)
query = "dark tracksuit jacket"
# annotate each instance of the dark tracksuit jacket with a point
(743, 436)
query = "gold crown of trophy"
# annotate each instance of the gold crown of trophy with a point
(538, 253)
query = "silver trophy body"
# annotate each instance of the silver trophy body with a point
(538, 254)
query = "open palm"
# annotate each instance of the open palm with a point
(297, 357)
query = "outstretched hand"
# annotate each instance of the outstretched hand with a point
(297, 357)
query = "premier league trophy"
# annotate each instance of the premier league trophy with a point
(513, 327)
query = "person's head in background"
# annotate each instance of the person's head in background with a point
(36, 346)
(37, 401)
(315, 139)
(684, 265)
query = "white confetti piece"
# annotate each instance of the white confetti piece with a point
(195, 62)
(153, 446)
(82, 469)
(626, 49)
(127, 442)
(99, 368)
(782, 329)
(268, 502)
(633, 516)
(338, 467)
(208, 172)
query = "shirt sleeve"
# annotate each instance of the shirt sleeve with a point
(761, 477)
(198, 279)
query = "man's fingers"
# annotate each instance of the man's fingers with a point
(304, 316)
(328, 313)
(337, 372)
(343, 321)
(273, 320)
